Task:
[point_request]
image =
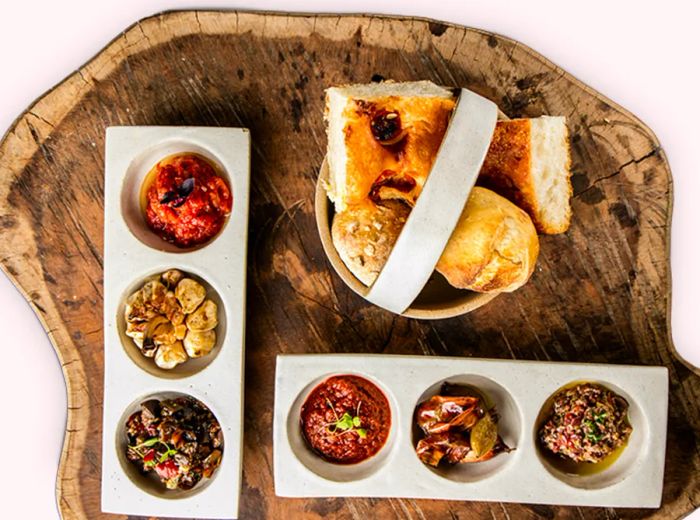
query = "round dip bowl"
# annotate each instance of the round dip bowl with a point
(329, 470)
(137, 179)
(438, 299)
(621, 466)
(510, 428)
(193, 365)
(150, 483)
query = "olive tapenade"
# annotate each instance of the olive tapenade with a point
(587, 423)
(179, 439)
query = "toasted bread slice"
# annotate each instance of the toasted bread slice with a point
(357, 158)
(528, 162)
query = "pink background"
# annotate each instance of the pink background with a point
(638, 53)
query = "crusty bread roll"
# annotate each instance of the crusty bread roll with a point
(528, 163)
(493, 248)
(365, 233)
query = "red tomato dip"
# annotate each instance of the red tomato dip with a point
(346, 419)
(186, 202)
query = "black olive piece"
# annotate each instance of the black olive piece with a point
(179, 195)
(186, 482)
(168, 197)
(186, 187)
(150, 409)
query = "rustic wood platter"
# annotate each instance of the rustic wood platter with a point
(601, 292)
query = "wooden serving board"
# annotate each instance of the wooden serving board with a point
(600, 292)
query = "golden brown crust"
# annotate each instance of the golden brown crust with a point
(364, 235)
(493, 248)
(506, 168)
(425, 120)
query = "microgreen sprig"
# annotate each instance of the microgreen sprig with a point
(600, 416)
(150, 443)
(346, 423)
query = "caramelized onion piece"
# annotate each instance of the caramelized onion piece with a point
(390, 179)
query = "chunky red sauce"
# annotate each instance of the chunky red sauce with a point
(186, 202)
(346, 419)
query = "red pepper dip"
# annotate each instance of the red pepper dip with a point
(187, 202)
(346, 419)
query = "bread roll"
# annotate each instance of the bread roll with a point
(364, 235)
(493, 248)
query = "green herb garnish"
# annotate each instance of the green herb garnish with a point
(149, 443)
(592, 433)
(598, 417)
(346, 423)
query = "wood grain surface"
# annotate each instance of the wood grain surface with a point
(600, 292)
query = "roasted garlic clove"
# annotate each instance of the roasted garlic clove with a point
(163, 333)
(190, 294)
(204, 318)
(136, 329)
(169, 356)
(171, 278)
(198, 344)
(137, 309)
(172, 309)
(180, 331)
(154, 293)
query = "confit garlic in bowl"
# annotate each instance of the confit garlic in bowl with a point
(171, 319)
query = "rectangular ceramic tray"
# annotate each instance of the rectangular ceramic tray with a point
(518, 390)
(131, 254)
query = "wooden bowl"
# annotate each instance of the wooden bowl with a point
(438, 299)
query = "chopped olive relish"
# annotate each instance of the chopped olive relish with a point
(178, 439)
(587, 423)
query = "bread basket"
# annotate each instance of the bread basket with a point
(437, 299)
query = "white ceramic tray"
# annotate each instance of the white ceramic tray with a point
(131, 254)
(518, 389)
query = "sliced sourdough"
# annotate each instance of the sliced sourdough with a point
(528, 162)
